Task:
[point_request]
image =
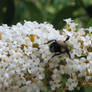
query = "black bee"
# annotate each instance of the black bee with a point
(58, 47)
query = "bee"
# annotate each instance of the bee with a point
(58, 47)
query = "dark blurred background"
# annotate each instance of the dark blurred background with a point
(51, 11)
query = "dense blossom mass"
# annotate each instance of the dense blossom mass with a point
(26, 64)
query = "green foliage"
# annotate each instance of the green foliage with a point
(89, 23)
(52, 11)
(64, 80)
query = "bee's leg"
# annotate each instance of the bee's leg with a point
(68, 54)
(49, 41)
(67, 38)
(56, 54)
(67, 51)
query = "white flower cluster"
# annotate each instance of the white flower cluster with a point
(26, 64)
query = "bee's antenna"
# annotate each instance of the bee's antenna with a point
(67, 38)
